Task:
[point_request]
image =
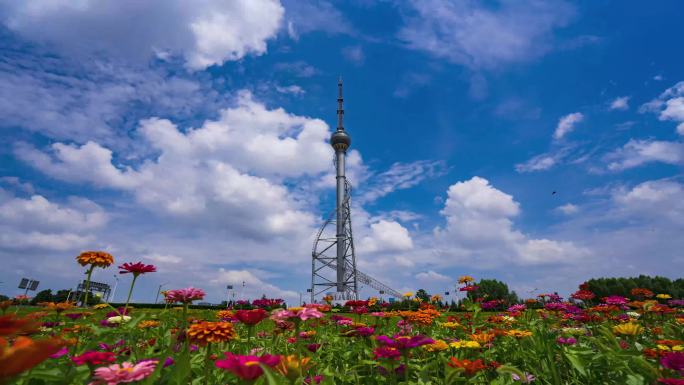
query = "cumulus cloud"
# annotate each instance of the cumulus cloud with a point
(432, 276)
(386, 236)
(484, 36)
(479, 227)
(639, 152)
(620, 103)
(36, 223)
(203, 32)
(566, 124)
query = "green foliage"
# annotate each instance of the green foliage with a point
(42, 296)
(423, 295)
(604, 287)
(492, 289)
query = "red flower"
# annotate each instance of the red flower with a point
(671, 381)
(251, 317)
(94, 358)
(137, 268)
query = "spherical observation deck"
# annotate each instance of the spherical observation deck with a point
(340, 140)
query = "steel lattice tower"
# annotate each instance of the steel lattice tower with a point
(336, 251)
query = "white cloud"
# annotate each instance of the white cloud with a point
(354, 54)
(568, 209)
(669, 106)
(480, 36)
(304, 16)
(480, 228)
(254, 287)
(400, 176)
(386, 236)
(431, 276)
(291, 89)
(39, 224)
(566, 124)
(204, 32)
(620, 103)
(538, 163)
(639, 152)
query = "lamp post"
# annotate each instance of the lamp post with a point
(115, 285)
(156, 300)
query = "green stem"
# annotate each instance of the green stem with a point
(130, 292)
(406, 367)
(87, 288)
(207, 360)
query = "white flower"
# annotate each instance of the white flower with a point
(118, 319)
(633, 314)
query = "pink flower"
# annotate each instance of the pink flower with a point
(303, 314)
(94, 358)
(60, 353)
(387, 353)
(282, 315)
(184, 295)
(247, 367)
(673, 361)
(124, 373)
(307, 313)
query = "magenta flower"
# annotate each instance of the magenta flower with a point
(184, 296)
(386, 353)
(615, 300)
(671, 381)
(246, 367)
(126, 372)
(136, 268)
(673, 361)
(404, 342)
(566, 341)
(517, 308)
(61, 352)
(307, 313)
(94, 358)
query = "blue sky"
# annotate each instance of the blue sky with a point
(194, 137)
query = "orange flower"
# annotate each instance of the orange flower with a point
(470, 367)
(11, 325)
(206, 332)
(58, 307)
(24, 354)
(293, 367)
(95, 258)
(483, 338)
(225, 314)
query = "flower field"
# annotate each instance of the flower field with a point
(546, 340)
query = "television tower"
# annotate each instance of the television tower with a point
(333, 248)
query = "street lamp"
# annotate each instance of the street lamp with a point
(115, 285)
(156, 300)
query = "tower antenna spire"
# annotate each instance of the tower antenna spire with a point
(340, 106)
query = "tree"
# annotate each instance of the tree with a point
(423, 295)
(42, 296)
(492, 289)
(61, 296)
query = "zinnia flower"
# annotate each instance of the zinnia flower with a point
(387, 353)
(124, 373)
(94, 358)
(251, 317)
(24, 354)
(136, 268)
(209, 332)
(673, 361)
(404, 342)
(186, 295)
(246, 367)
(293, 367)
(465, 279)
(470, 367)
(95, 258)
(628, 329)
(118, 319)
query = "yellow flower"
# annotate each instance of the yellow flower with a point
(663, 296)
(465, 279)
(408, 294)
(676, 348)
(628, 329)
(450, 325)
(436, 298)
(518, 333)
(100, 306)
(372, 301)
(465, 344)
(436, 346)
(295, 309)
(148, 324)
